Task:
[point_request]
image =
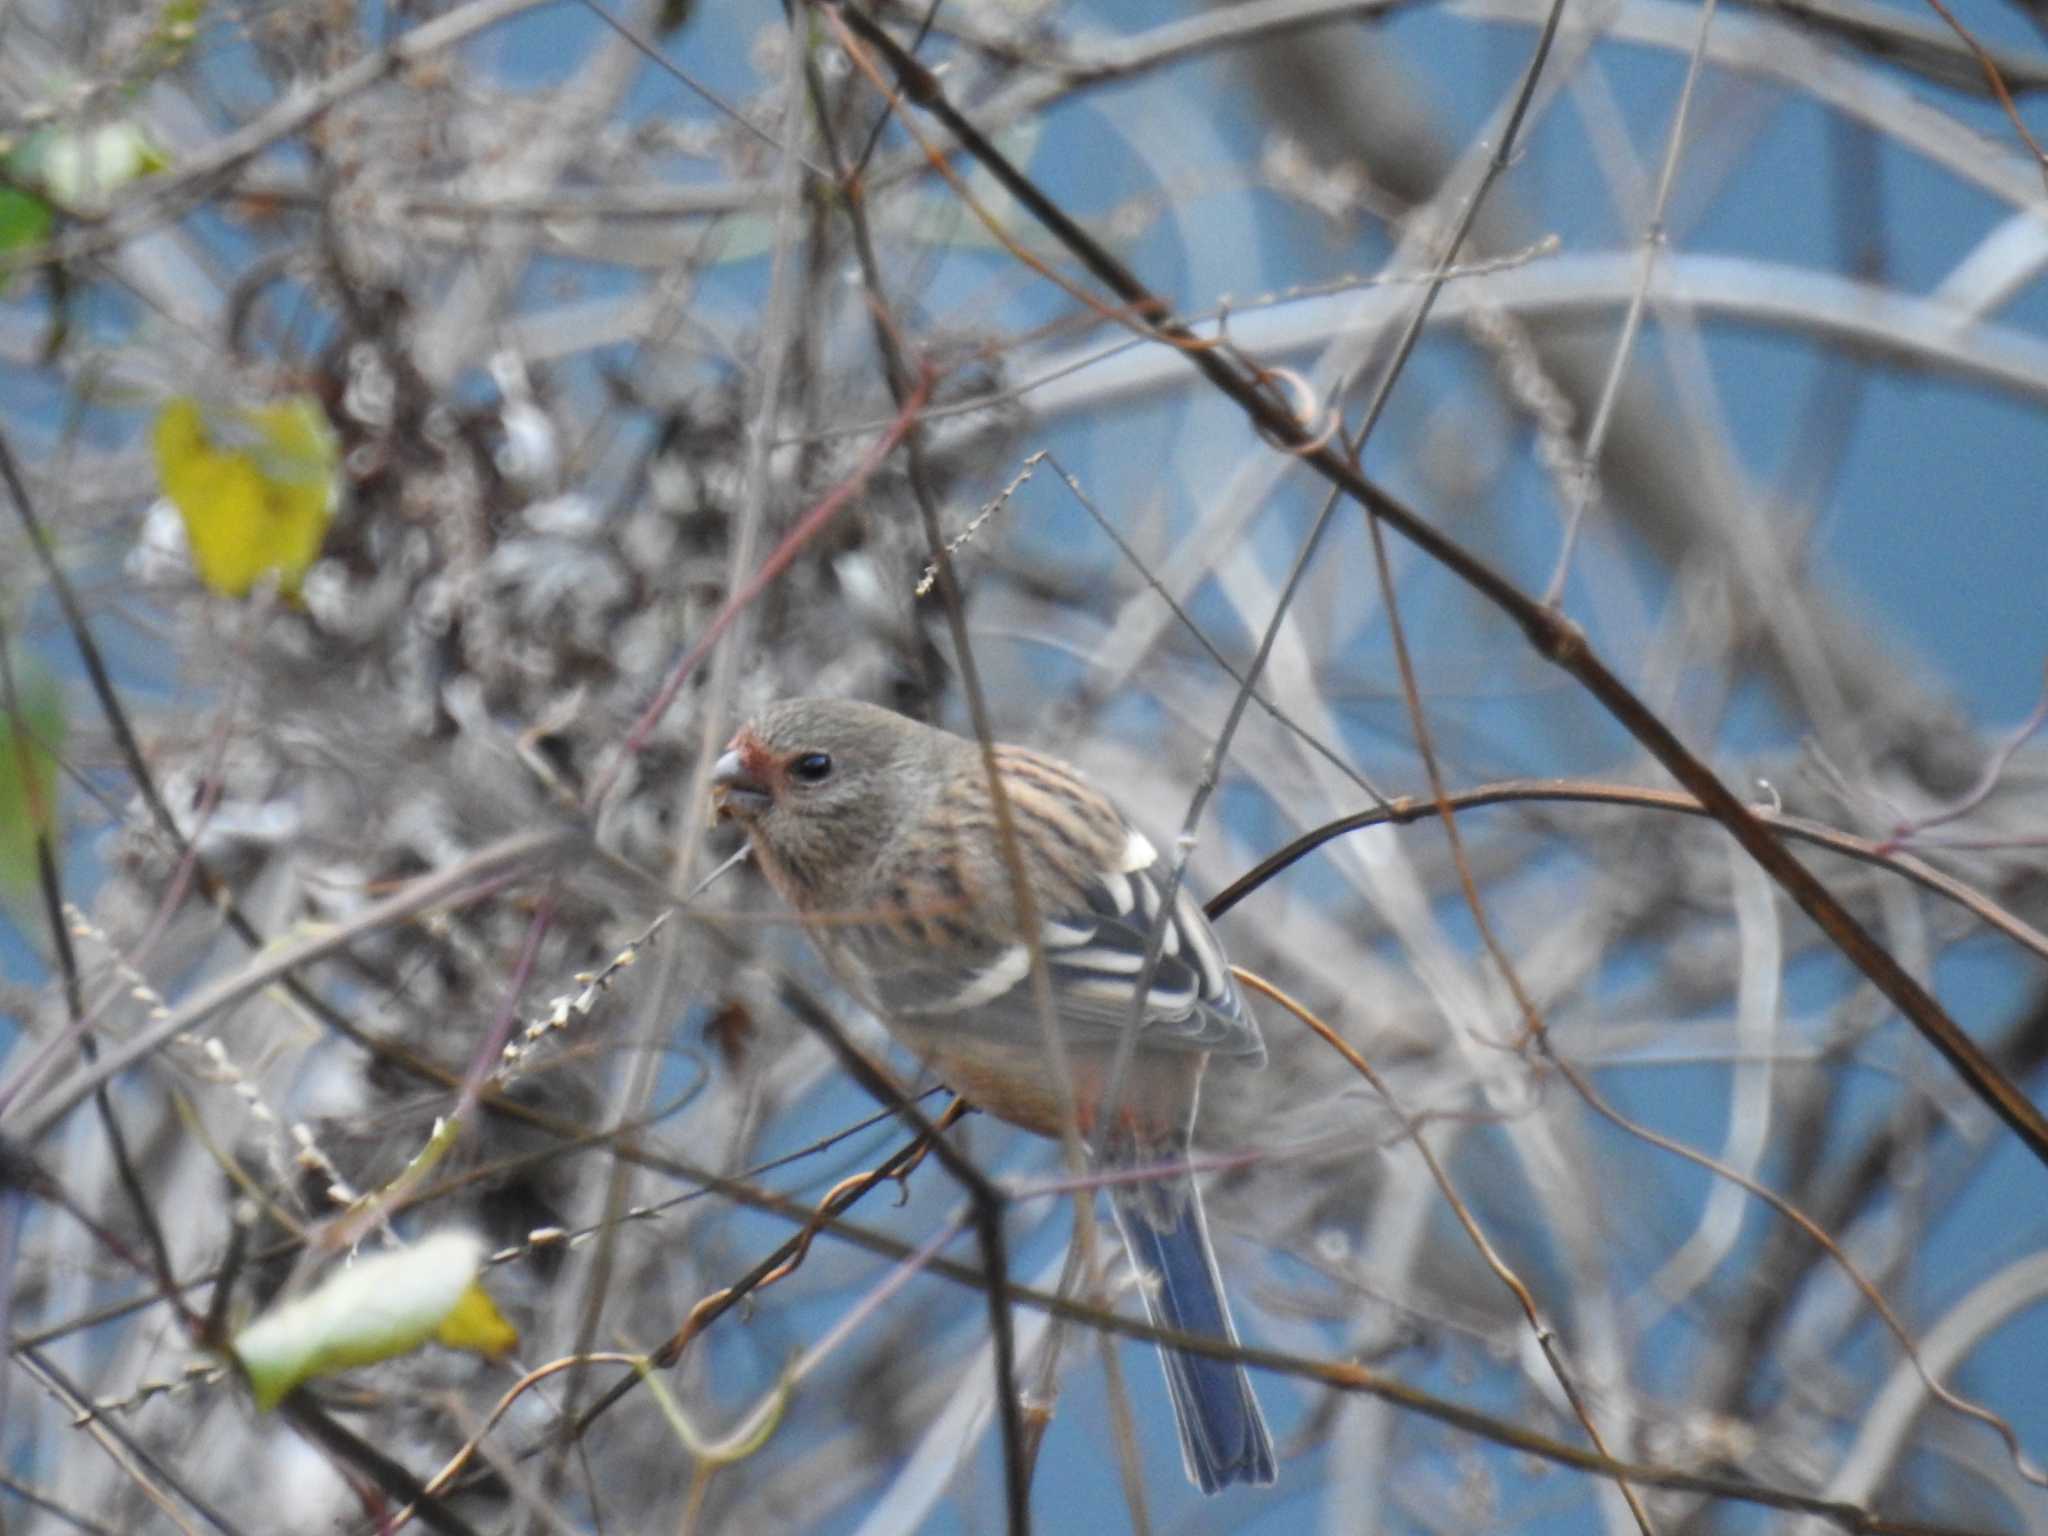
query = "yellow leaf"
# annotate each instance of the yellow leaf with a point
(29, 743)
(254, 486)
(474, 1323)
(81, 169)
(377, 1307)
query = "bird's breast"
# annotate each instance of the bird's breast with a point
(1015, 1080)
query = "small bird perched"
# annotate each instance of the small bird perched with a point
(881, 833)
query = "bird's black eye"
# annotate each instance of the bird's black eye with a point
(812, 767)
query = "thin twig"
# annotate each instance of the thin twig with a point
(1412, 808)
(1653, 244)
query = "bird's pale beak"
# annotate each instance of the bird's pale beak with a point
(735, 791)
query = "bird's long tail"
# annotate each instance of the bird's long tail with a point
(1223, 1435)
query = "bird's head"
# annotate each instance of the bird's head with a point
(821, 787)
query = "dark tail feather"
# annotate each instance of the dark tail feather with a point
(1223, 1436)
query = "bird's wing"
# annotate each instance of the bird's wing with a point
(1094, 951)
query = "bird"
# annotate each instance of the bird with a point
(881, 834)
